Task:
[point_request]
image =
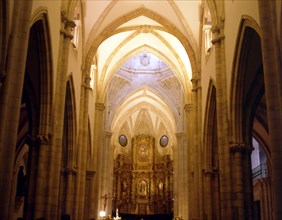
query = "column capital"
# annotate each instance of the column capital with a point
(86, 82)
(99, 106)
(90, 173)
(107, 134)
(69, 171)
(217, 31)
(218, 34)
(240, 148)
(180, 135)
(208, 172)
(188, 107)
(44, 139)
(37, 140)
(195, 84)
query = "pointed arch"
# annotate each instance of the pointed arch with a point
(170, 28)
(211, 157)
(247, 80)
(133, 53)
(35, 114)
(144, 122)
(71, 122)
(209, 125)
(69, 152)
(144, 98)
(214, 12)
(40, 21)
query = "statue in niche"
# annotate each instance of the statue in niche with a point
(142, 188)
(160, 187)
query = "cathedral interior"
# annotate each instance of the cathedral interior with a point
(141, 110)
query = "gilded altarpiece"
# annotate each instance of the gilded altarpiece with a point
(143, 180)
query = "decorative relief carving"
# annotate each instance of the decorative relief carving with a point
(143, 153)
(68, 25)
(143, 182)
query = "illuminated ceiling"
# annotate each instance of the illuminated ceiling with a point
(145, 52)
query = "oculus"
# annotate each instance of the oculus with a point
(122, 139)
(164, 141)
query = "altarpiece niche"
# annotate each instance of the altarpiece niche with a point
(143, 180)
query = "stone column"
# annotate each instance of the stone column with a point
(71, 173)
(182, 181)
(58, 117)
(33, 144)
(10, 97)
(189, 130)
(273, 93)
(106, 179)
(241, 203)
(82, 146)
(208, 173)
(196, 161)
(175, 181)
(98, 151)
(42, 175)
(222, 122)
(111, 176)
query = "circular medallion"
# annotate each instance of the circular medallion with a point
(122, 140)
(164, 141)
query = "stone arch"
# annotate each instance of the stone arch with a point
(248, 112)
(36, 104)
(211, 163)
(248, 32)
(70, 120)
(210, 122)
(132, 54)
(170, 28)
(165, 113)
(71, 5)
(40, 19)
(69, 152)
(214, 12)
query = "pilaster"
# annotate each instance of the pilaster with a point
(181, 176)
(222, 121)
(82, 145)
(273, 93)
(98, 151)
(58, 117)
(70, 174)
(42, 169)
(189, 148)
(241, 196)
(196, 152)
(106, 166)
(208, 210)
